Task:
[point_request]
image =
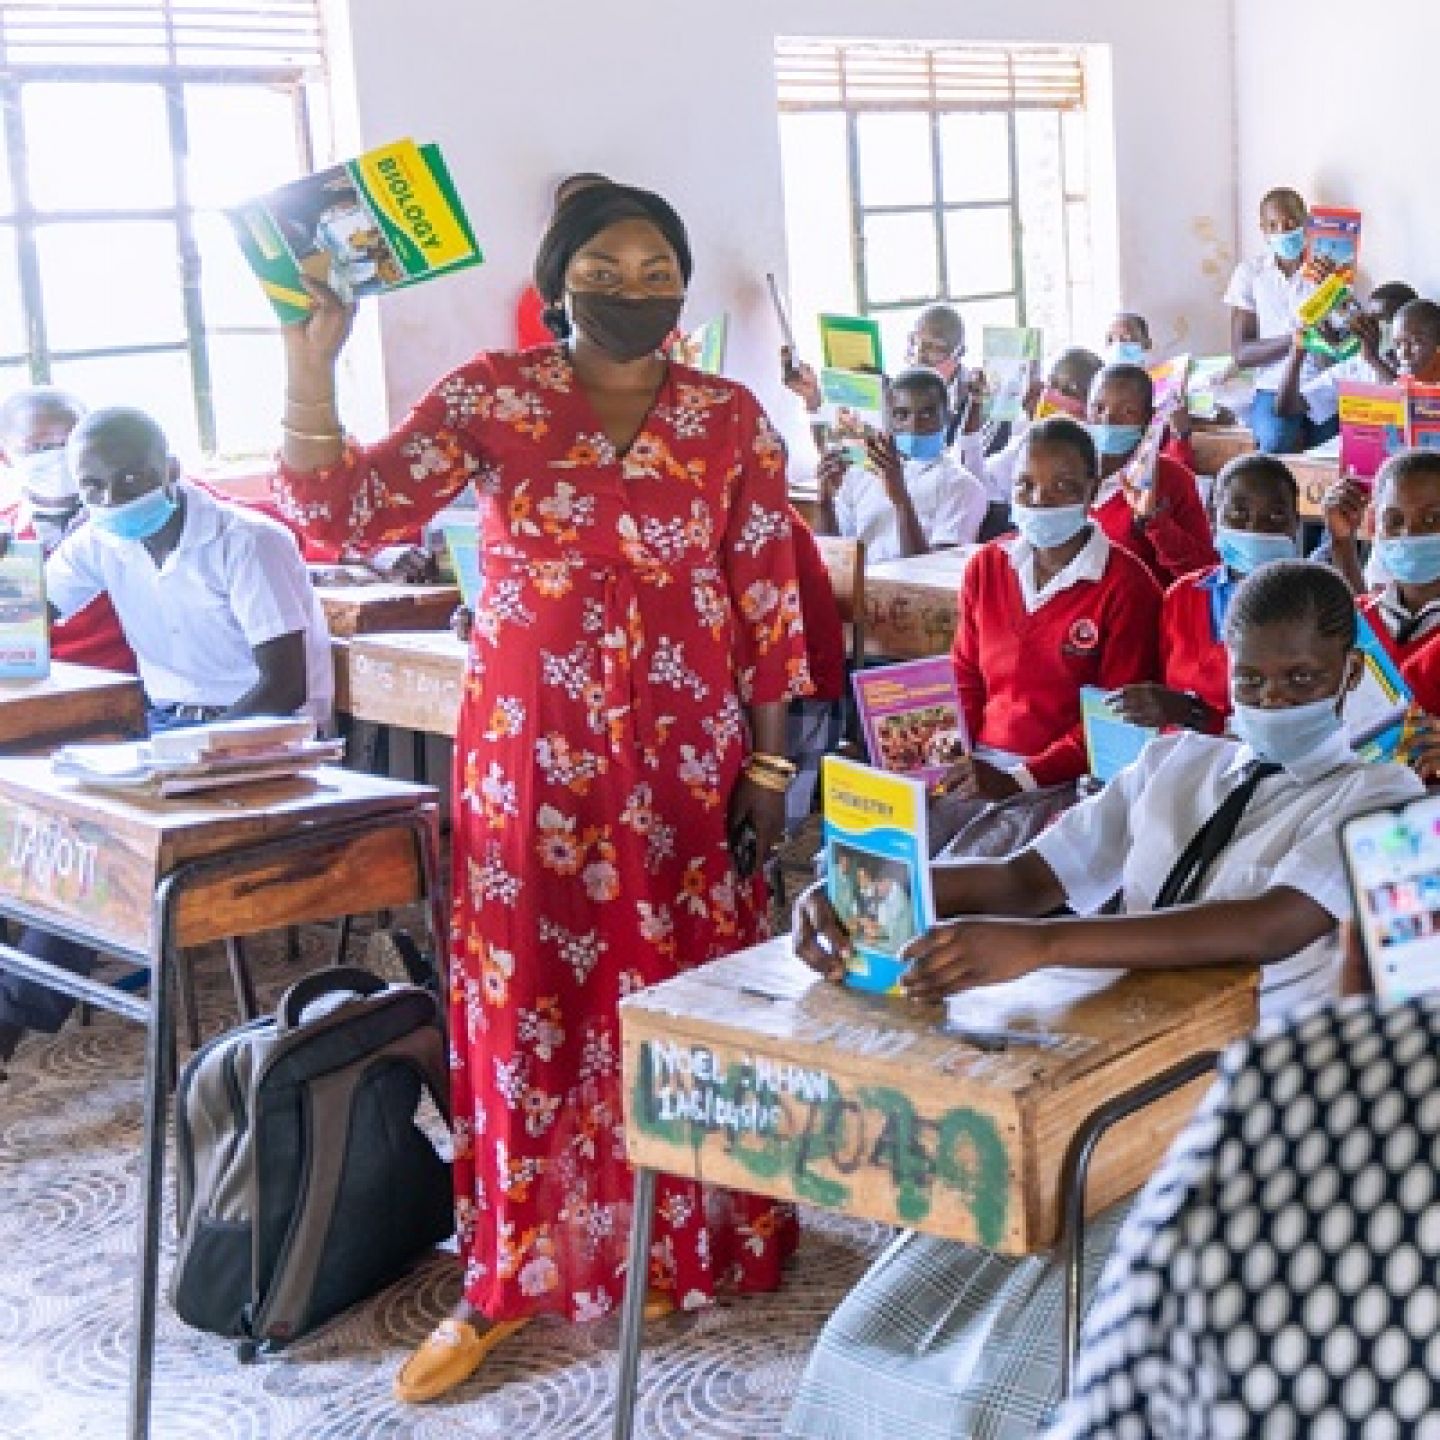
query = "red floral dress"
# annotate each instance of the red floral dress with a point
(631, 607)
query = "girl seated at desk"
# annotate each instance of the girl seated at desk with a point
(1220, 854)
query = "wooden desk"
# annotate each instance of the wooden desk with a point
(805, 497)
(380, 608)
(144, 878)
(1314, 475)
(910, 603)
(1216, 445)
(71, 703)
(411, 680)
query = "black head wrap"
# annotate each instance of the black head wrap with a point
(581, 217)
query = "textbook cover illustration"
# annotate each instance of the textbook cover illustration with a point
(1138, 474)
(1423, 421)
(384, 220)
(1326, 317)
(903, 708)
(1110, 742)
(856, 404)
(1215, 381)
(1010, 355)
(1373, 421)
(463, 544)
(1377, 710)
(1056, 402)
(1332, 233)
(704, 347)
(24, 618)
(1168, 379)
(851, 342)
(877, 854)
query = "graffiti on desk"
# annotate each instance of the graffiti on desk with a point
(73, 866)
(901, 623)
(822, 1136)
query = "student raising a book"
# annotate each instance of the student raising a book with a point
(1256, 503)
(946, 1340)
(910, 495)
(1159, 517)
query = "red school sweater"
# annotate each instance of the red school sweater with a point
(1178, 540)
(1192, 652)
(1417, 660)
(1020, 674)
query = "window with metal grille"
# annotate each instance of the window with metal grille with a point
(127, 127)
(923, 172)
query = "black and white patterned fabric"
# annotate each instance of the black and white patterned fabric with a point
(1280, 1275)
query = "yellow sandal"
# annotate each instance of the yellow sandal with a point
(450, 1355)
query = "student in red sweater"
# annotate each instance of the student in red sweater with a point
(35, 423)
(1162, 525)
(1257, 515)
(1042, 614)
(1405, 612)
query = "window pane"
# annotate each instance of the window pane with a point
(980, 313)
(900, 261)
(229, 291)
(978, 251)
(242, 142)
(7, 193)
(895, 328)
(97, 146)
(1042, 219)
(895, 163)
(247, 374)
(110, 284)
(13, 331)
(161, 385)
(818, 221)
(975, 157)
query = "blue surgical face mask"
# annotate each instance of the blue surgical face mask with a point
(1245, 551)
(1289, 244)
(921, 447)
(1287, 735)
(136, 519)
(1125, 352)
(1047, 527)
(1410, 559)
(1113, 440)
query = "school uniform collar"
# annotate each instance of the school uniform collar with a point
(1221, 586)
(1393, 608)
(1087, 566)
(1330, 756)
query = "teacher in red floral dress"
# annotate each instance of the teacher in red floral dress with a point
(619, 767)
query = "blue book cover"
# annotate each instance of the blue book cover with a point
(463, 543)
(1376, 710)
(1111, 743)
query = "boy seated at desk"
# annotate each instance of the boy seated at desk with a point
(215, 601)
(910, 495)
(35, 424)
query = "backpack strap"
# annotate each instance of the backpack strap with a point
(338, 980)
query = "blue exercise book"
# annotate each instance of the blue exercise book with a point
(1110, 742)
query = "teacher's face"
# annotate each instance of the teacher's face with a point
(630, 259)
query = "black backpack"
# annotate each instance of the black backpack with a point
(304, 1183)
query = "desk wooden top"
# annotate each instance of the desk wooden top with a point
(372, 609)
(94, 858)
(413, 680)
(71, 702)
(910, 603)
(753, 1072)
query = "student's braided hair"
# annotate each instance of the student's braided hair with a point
(1287, 590)
(1063, 431)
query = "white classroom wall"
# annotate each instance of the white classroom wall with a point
(681, 97)
(1306, 121)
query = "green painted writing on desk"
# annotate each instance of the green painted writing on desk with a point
(803, 1128)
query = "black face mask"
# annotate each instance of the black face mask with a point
(624, 329)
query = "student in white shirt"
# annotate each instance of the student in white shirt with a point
(946, 1340)
(1264, 295)
(1373, 364)
(214, 600)
(911, 495)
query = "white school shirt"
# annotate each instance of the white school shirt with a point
(1322, 393)
(949, 503)
(1129, 836)
(1261, 286)
(234, 580)
(997, 471)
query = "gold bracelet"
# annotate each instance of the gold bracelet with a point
(766, 782)
(779, 764)
(327, 435)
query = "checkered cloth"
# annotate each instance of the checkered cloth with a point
(943, 1341)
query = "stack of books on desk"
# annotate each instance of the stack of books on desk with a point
(205, 757)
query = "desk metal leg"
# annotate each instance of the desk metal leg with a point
(1072, 1190)
(632, 1316)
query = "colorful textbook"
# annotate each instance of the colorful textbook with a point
(1377, 710)
(851, 342)
(904, 708)
(704, 347)
(1373, 422)
(1110, 742)
(1168, 381)
(463, 544)
(1011, 354)
(24, 616)
(877, 857)
(387, 219)
(1332, 236)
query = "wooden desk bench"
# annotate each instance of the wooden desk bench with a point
(910, 604)
(753, 1073)
(413, 680)
(380, 608)
(143, 879)
(73, 702)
